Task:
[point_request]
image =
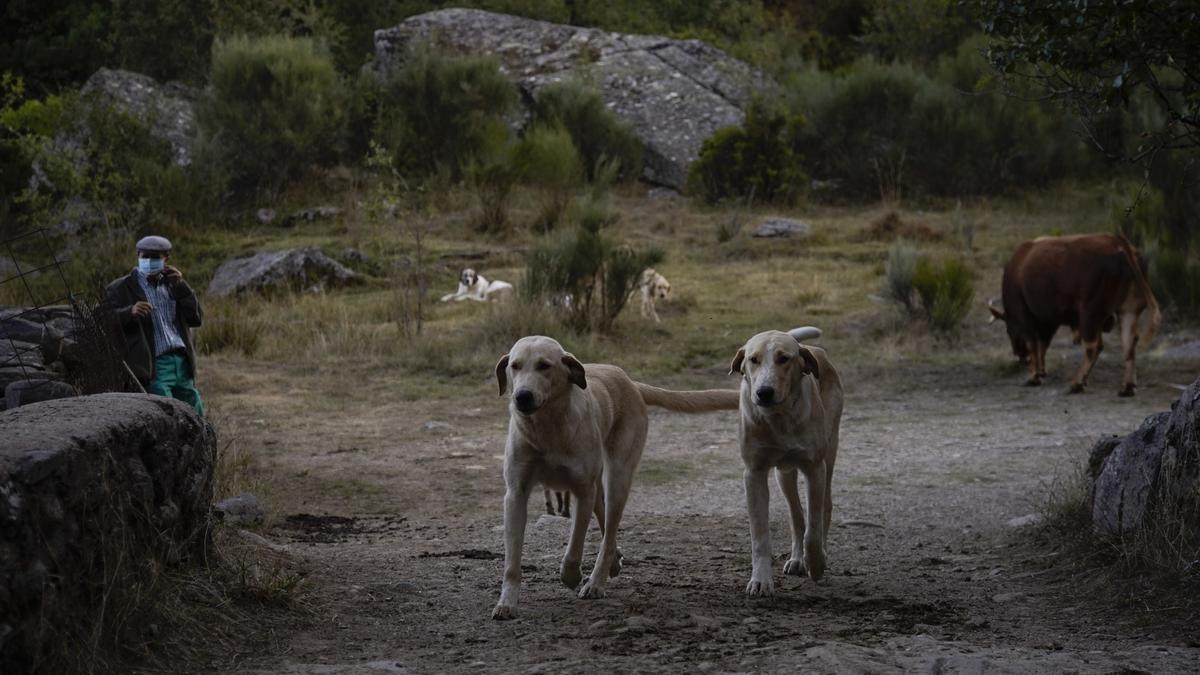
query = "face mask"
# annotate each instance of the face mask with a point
(150, 265)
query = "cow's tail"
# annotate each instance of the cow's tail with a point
(700, 401)
(1151, 328)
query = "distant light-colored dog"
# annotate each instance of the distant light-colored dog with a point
(577, 428)
(654, 287)
(472, 286)
(791, 410)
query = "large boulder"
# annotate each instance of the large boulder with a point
(168, 109)
(1152, 472)
(88, 486)
(304, 269)
(673, 93)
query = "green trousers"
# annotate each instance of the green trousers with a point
(171, 380)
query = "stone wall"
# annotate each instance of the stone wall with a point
(85, 482)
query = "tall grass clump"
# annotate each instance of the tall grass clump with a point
(898, 274)
(754, 161)
(596, 132)
(1172, 259)
(946, 291)
(546, 158)
(587, 276)
(273, 109)
(441, 113)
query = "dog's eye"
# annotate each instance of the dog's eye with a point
(516, 365)
(542, 365)
(782, 359)
(755, 360)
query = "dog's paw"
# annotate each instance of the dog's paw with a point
(570, 574)
(504, 612)
(794, 567)
(591, 591)
(614, 569)
(760, 588)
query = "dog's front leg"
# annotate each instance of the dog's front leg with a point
(516, 500)
(570, 572)
(757, 503)
(791, 493)
(814, 535)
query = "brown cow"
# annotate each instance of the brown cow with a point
(1090, 282)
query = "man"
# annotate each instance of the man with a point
(155, 307)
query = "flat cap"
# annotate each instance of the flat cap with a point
(154, 244)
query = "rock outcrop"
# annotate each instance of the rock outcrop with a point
(84, 483)
(302, 269)
(673, 93)
(1152, 472)
(168, 109)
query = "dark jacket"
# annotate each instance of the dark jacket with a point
(119, 299)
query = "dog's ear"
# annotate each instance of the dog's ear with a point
(575, 372)
(502, 373)
(735, 368)
(811, 367)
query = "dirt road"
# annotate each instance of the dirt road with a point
(930, 569)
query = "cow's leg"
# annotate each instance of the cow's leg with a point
(1093, 344)
(1036, 354)
(1129, 340)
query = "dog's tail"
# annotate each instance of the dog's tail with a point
(700, 401)
(805, 333)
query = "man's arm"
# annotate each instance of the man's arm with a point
(113, 305)
(187, 307)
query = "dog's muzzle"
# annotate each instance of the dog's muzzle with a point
(765, 396)
(524, 401)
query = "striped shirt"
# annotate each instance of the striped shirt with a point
(166, 333)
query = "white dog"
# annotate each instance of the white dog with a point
(791, 409)
(578, 428)
(472, 286)
(654, 287)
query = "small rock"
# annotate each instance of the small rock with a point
(355, 256)
(598, 625)
(977, 622)
(435, 425)
(265, 216)
(243, 509)
(312, 215)
(928, 629)
(781, 227)
(1024, 521)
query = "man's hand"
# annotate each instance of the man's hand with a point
(172, 275)
(141, 309)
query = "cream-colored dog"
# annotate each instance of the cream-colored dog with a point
(791, 409)
(654, 287)
(577, 428)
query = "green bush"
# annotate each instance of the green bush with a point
(754, 161)
(274, 108)
(597, 133)
(946, 291)
(548, 160)
(898, 273)
(587, 276)
(440, 114)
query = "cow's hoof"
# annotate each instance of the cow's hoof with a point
(1033, 382)
(1127, 391)
(1075, 389)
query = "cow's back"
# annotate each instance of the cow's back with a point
(1062, 280)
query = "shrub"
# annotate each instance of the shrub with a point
(441, 113)
(547, 159)
(587, 276)
(273, 109)
(753, 161)
(596, 132)
(946, 292)
(898, 273)
(493, 184)
(1174, 275)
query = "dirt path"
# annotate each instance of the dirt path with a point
(926, 570)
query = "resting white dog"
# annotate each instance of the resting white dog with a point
(654, 287)
(472, 286)
(791, 411)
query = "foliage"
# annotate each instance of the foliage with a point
(547, 159)
(493, 184)
(898, 273)
(585, 275)
(1174, 276)
(921, 133)
(891, 31)
(441, 113)
(274, 108)
(946, 291)
(596, 132)
(755, 160)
